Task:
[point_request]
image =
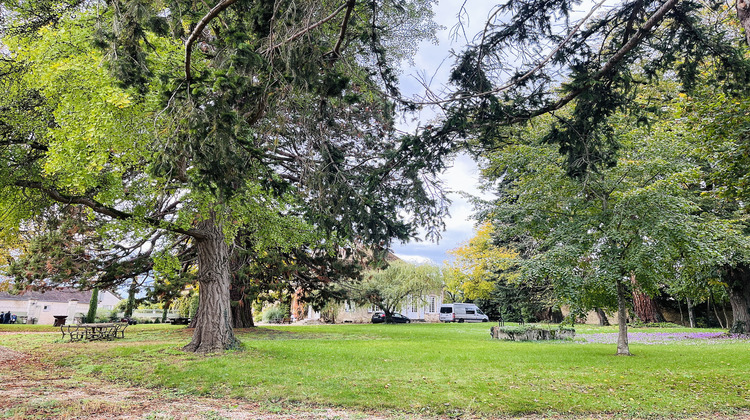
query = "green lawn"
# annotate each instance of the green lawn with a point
(421, 368)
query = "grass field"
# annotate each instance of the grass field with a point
(430, 369)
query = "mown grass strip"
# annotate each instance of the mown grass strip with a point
(427, 368)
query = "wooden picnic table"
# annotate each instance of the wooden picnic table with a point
(179, 321)
(95, 331)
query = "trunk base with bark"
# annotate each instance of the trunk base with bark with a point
(242, 313)
(623, 349)
(603, 321)
(644, 307)
(213, 322)
(691, 313)
(738, 286)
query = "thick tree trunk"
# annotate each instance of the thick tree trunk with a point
(213, 322)
(743, 14)
(603, 321)
(644, 307)
(242, 313)
(298, 307)
(738, 286)
(388, 316)
(623, 349)
(550, 314)
(691, 312)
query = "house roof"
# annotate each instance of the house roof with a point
(391, 257)
(55, 295)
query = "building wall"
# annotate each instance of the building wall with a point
(16, 307)
(107, 300)
(44, 312)
(425, 309)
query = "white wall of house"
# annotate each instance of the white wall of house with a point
(15, 307)
(425, 308)
(41, 311)
(107, 300)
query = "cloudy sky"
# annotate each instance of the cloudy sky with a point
(462, 177)
(433, 63)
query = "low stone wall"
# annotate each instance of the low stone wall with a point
(531, 333)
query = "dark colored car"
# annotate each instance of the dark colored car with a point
(379, 317)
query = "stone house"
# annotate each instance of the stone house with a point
(419, 309)
(42, 307)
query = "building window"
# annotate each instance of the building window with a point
(349, 306)
(432, 304)
(413, 305)
(372, 309)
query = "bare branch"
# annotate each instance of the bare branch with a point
(344, 25)
(199, 30)
(308, 29)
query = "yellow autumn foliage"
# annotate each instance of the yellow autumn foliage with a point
(479, 265)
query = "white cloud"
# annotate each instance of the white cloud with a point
(416, 259)
(434, 62)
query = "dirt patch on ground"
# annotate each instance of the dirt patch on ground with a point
(31, 389)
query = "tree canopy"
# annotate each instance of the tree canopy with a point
(388, 288)
(544, 81)
(478, 266)
(180, 121)
(639, 219)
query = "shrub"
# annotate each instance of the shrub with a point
(104, 315)
(274, 314)
(532, 332)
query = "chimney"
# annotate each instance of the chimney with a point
(72, 309)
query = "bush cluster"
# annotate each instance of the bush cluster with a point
(274, 314)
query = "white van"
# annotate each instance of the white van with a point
(462, 312)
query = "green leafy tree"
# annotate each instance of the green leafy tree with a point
(719, 124)
(93, 304)
(537, 57)
(585, 71)
(264, 109)
(388, 288)
(614, 230)
(489, 275)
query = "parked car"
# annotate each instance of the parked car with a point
(396, 318)
(462, 312)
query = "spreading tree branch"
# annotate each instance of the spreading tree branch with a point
(223, 5)
(349, 8)
(607, 67)
(603, 71)
(105, 210)
(309, 28)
